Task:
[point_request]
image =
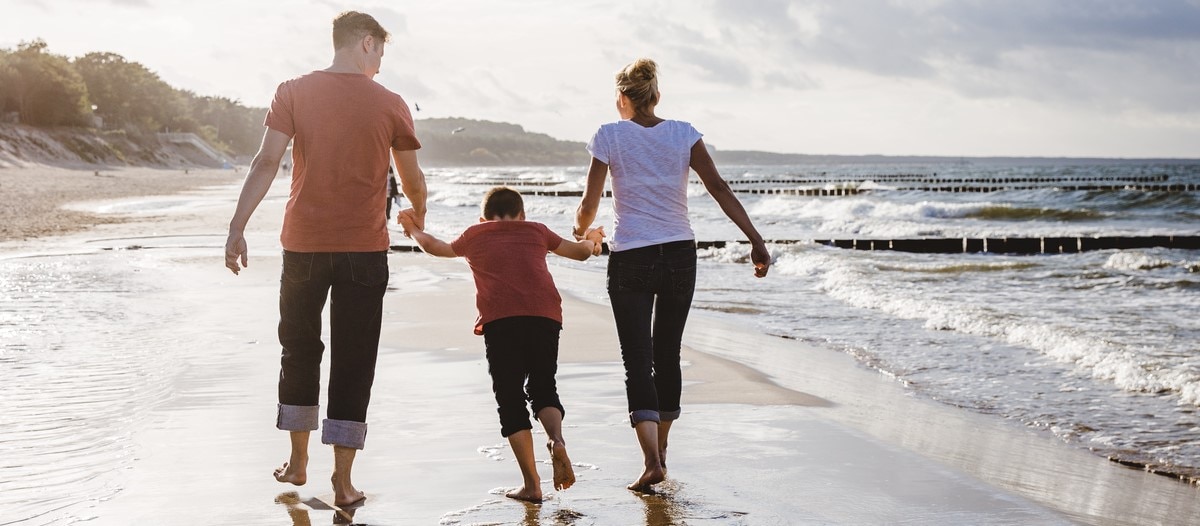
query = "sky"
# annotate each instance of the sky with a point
(1081, 78)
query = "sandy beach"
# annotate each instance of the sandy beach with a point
(139, 380)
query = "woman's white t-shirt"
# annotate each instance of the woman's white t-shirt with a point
(649, 180)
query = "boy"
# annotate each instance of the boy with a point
(520, 316)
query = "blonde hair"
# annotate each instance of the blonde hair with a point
(639, 82)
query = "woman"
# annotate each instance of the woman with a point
(652, 267)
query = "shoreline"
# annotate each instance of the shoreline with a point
(756, 432)
(34, 199)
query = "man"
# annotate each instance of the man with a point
(342, 125)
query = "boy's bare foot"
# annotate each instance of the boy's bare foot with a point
(528, 495)
(653, 475)
(564, 474)
(290, 473)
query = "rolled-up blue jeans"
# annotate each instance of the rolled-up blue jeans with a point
(354, 283)
(651, 290)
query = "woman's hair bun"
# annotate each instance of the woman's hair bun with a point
(639, 82)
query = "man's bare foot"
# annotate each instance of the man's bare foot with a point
(564, 474)
(528, 495)
(345, 494)
(290, 473)
(653, 475)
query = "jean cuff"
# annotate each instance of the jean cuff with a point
(643, 415)
(345, 433)
(297, 417)
(668, 416)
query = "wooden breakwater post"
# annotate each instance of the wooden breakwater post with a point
(1016, 245)
(969, 245)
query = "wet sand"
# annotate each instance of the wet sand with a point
(188, 432)
(31, 199)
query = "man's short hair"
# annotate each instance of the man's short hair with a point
(351, 26)
(502, 201)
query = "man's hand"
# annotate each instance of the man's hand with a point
(235, 249)
(410, 221)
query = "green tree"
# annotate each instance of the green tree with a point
(46, 88)
(130, 96)
(8, 83)
(229, 124)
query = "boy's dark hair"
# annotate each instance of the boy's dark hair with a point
(351, 26)
(502, 201)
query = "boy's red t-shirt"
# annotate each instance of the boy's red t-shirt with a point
(508, 260)
(343, 128)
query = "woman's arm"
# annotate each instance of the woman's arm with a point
(704, 166)
(586, 213)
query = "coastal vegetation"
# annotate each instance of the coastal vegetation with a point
(107, 93)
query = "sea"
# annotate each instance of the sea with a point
(1100, 349)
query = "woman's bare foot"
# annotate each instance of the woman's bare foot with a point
(291, 473)
(653, 475)
(564, 474)
(533, 495)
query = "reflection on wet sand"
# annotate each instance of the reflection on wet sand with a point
(298, 509)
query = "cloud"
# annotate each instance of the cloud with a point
(1129, 54)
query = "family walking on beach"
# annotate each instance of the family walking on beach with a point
(342, 126)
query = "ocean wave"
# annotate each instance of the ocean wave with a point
(1016, 213)
(961, 268)
(860, 208)
(1091, 353)
(1136, 260)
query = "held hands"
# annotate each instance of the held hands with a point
(596, 236)
(410, 221)
(761, 258)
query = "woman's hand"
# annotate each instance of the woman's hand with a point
(596, 236)
(761, 258)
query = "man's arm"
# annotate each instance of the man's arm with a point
(431, 245)
(258, 182)
(412, 183)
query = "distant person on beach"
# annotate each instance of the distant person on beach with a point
(335, 240)
(652, 266)
(520, 317)
(392, 193)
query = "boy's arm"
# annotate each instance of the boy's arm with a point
(431, 245)
(577, 250)
(581, 250)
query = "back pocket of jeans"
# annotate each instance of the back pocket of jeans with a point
(369, 268)
(297, 266)
(630, 276)
(683, 280)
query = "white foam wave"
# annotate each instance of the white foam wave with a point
(1136, 260)
(858, 208)
(1127, 367)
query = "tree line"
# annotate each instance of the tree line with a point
(106, 90)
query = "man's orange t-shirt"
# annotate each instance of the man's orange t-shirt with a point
(344, 126)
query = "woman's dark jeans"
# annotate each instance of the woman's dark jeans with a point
(354, 283)
(522, 355)
(651, 289)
